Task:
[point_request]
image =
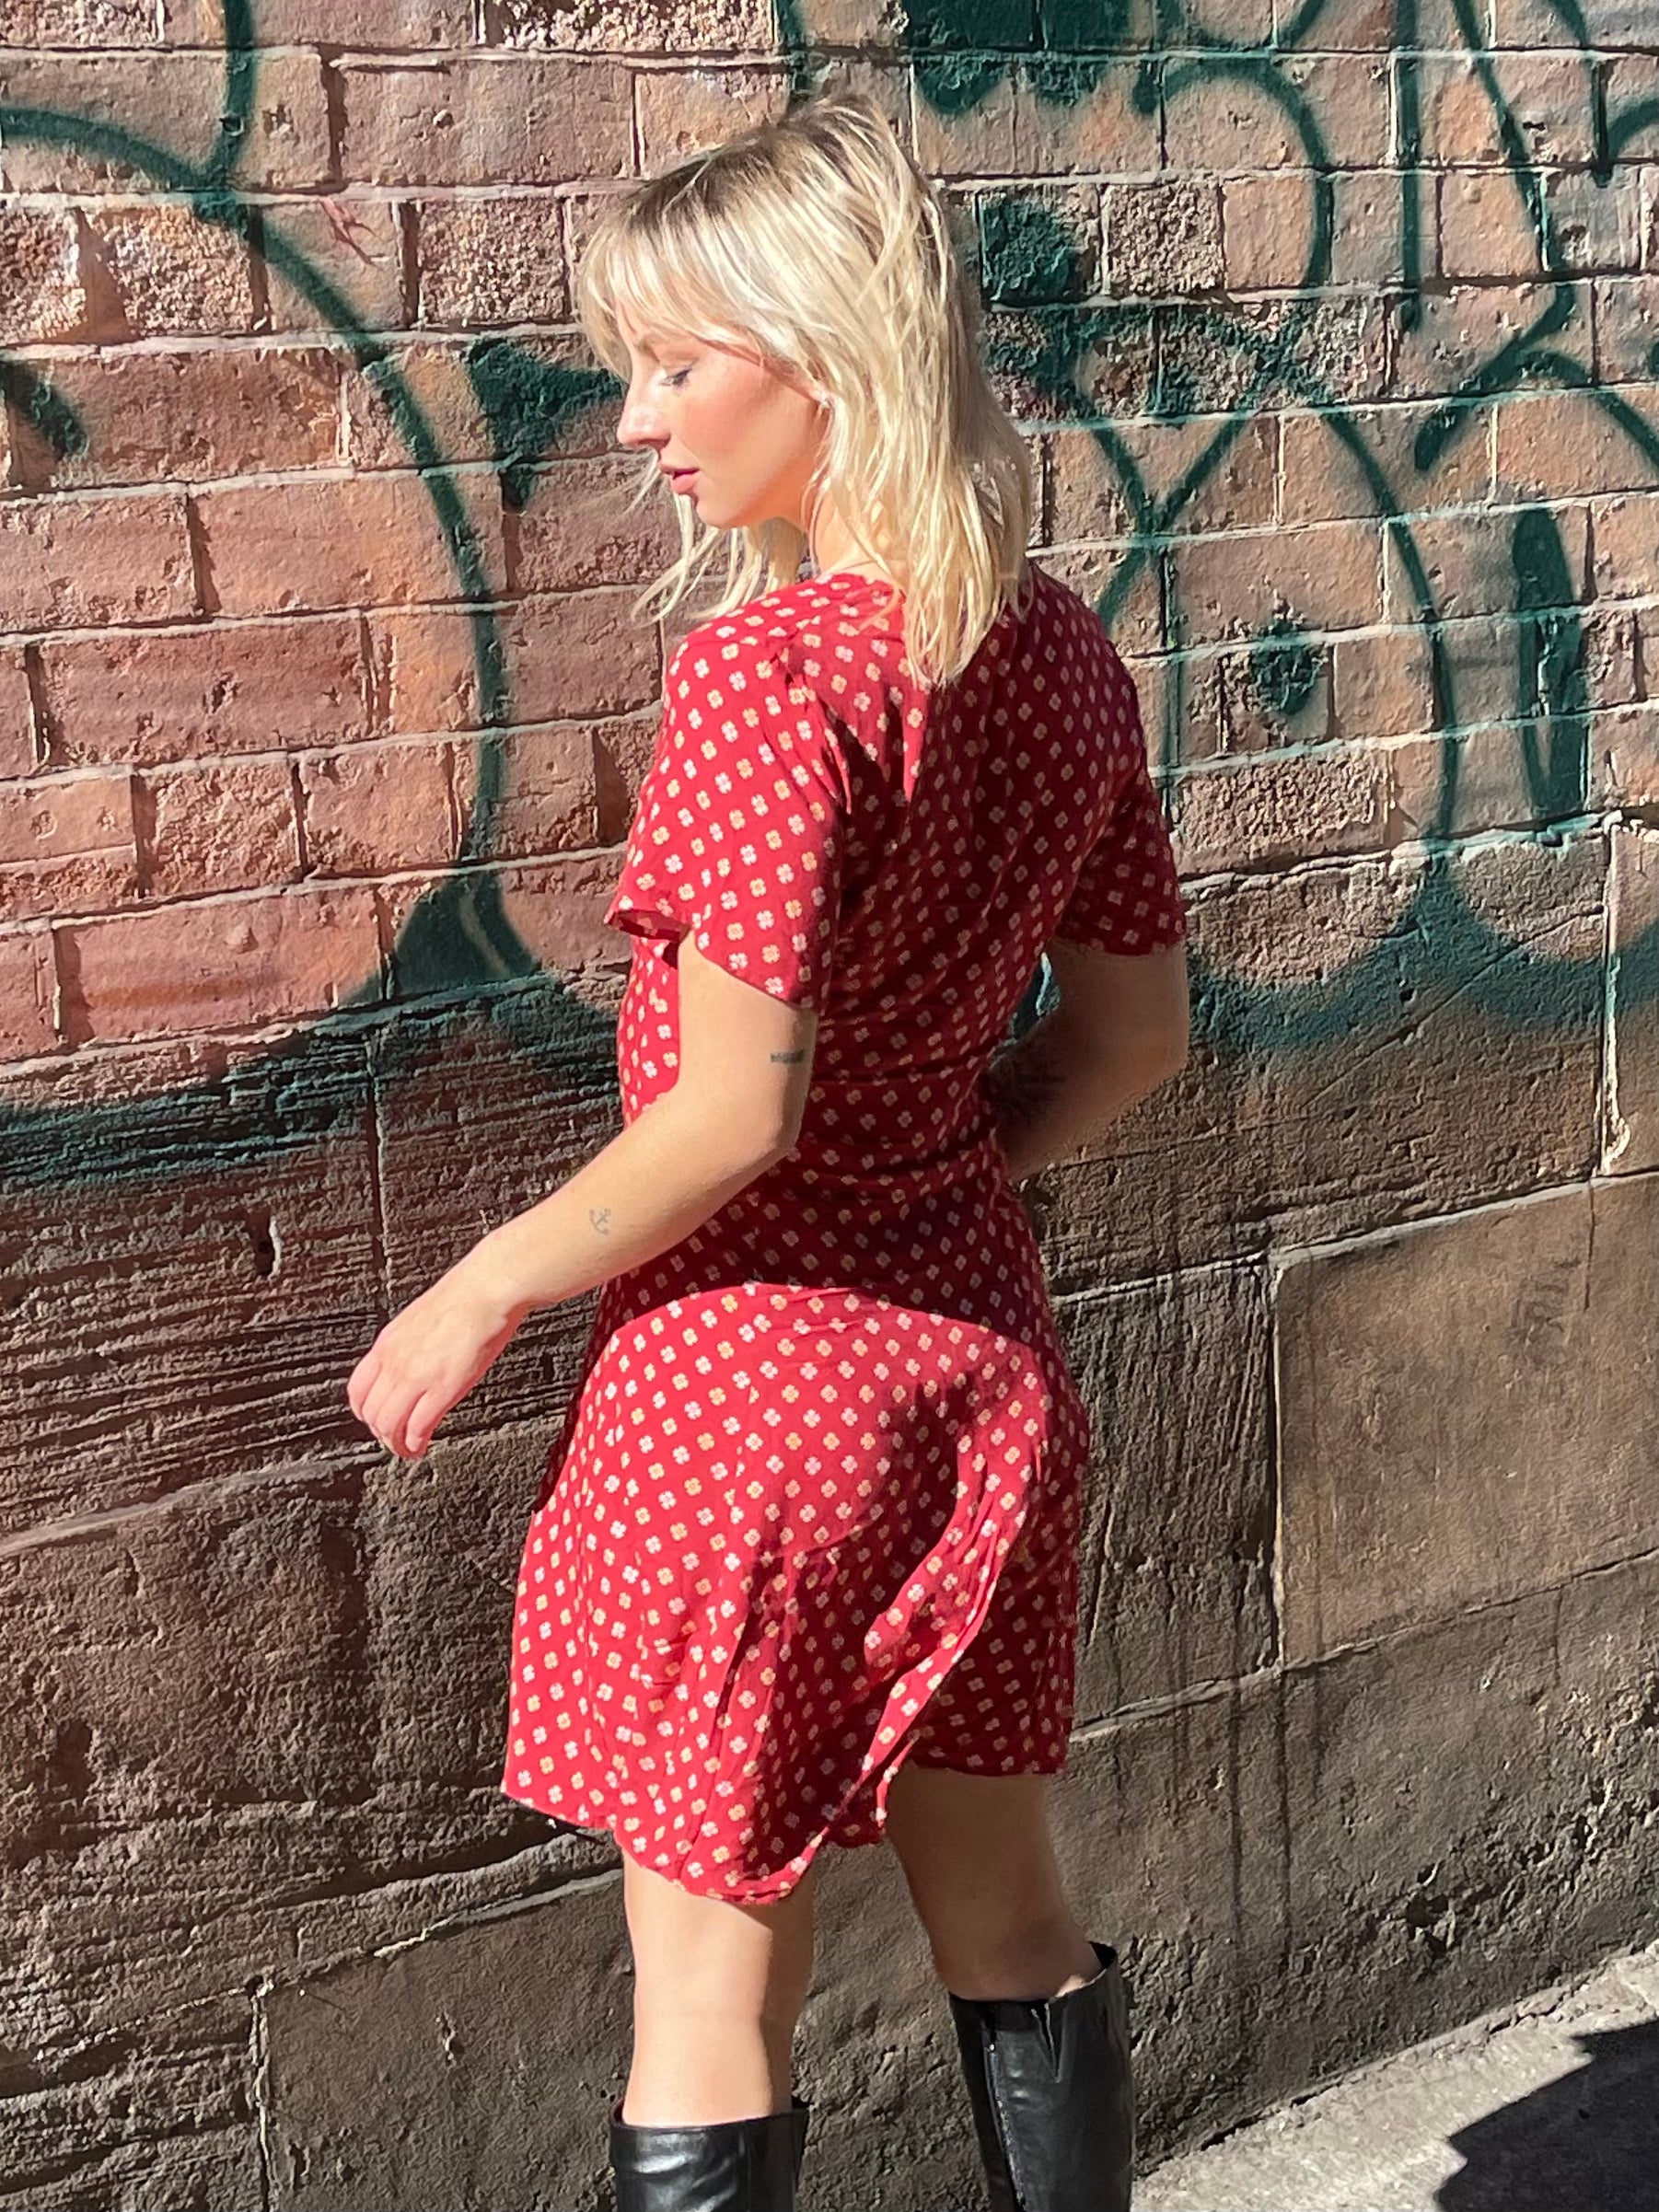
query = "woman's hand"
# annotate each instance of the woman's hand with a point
(428, 1356)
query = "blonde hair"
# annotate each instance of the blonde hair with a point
(816, 242)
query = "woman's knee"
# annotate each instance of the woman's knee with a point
(701, 1955)
(979, 1865)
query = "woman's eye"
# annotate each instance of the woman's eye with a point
(678, 376)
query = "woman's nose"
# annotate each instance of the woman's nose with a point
(635, 426)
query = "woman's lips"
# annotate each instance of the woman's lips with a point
(680, 478)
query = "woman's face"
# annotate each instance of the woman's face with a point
(751, 438)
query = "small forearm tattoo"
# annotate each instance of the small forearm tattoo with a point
(600, 1218)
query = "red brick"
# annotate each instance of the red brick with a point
(73, 561)
(27, 986)
(1326, 576)
(683, 111)
(1461, 329)
(230, 688)
(581, 654)
(1087, 500)
(1337, 343)
(1598, 226)
(1624, 757)
(221, 962)
(1323, 481)
(164, 272)
(1617, 646)
(436, 374)
(353, 542)
(1625, 534)
(1627, 328)
(1223, 125)
(77, 23)
(42, 297)
(365, 23)
(170, 100)
(1546, 94)
(1016, 130)
(16, 716)
(492, 260)
(1382, 684)
(1554, 445)
(1633, 82)
(354, 243)
(1485, 229)
(65, 844)
(556, 907)
(425, 670)
(1362, 26)
(725, 25)
(1613, 23)
(487, 120)
(1491, 792)
(1262, 813)
(1226, 709)
(1163, 237)
(1090, 570)
(217, 826)
(1269, 223)
(577, 531)
(378, 808)
(150, 416)
(1469, 564)
(549, 802)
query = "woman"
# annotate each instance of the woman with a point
(803, 1567)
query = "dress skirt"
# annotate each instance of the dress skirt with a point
(797, 1537)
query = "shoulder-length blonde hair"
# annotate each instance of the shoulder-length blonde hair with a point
(816, 241)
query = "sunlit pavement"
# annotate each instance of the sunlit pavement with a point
(1549, 2106)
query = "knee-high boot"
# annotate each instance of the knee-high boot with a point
(1050, 2084)
(727, 2166)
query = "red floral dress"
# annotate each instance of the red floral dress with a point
(814, 1504)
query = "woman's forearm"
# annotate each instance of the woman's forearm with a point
(654, 1184)
(1050, 1104)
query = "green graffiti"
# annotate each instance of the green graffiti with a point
(1284, 669)
(241, 78)
(1549, 676)
(528, 404)
(43, 410)
(456, 952)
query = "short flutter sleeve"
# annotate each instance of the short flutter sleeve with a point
(739, 838)
(1126, 897)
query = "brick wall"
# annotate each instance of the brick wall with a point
(321, 713)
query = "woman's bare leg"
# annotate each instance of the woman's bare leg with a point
(718, 1989)
(979, 1865)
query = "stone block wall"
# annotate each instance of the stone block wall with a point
(1334, 328)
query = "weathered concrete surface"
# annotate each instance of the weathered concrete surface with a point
(1631, 1139)
(1465, 1410)
(1301, 1872)
(1176, 1566)
(468, 2069)
(1547, 2105)
(179, 1310)
(1472, 1073)
(1306, 1870)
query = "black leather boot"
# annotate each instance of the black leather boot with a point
(728, 2166)
(1051, 2089)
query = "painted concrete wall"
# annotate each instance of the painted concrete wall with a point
(1336, 338)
